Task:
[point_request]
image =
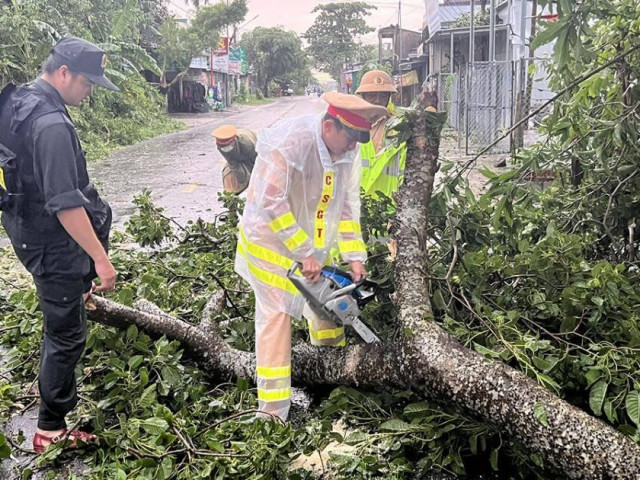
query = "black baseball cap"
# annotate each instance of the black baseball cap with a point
(85, 58)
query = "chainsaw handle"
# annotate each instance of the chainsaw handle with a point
(292, 269)
(361, 282)
(342, 291)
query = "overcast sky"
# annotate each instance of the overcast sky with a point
(296, 14)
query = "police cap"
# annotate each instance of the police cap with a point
(225, 134)
(85, 58)
(354, 113)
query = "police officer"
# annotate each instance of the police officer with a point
(57, 223)
(302, 202)
(238, 147)
(382, 168)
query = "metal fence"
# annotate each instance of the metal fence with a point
(449, 93)
(489, 106)
(485, 100)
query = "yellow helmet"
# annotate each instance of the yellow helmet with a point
(376, 81)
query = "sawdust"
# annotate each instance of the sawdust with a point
(317, 462)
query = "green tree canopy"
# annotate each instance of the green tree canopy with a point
(178, 45)
(333, 36)
(273, 53)
(28, 30)
(126, 29)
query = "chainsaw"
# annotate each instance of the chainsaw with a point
(337, 297)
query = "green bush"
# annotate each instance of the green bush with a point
(109, 120)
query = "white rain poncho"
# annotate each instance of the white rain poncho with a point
(299, 202)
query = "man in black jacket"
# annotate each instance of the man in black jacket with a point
(56, 221)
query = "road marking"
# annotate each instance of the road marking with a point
(191, 188)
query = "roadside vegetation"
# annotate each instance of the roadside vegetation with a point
(545, 280)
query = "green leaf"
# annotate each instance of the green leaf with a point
(395, 425)
(132, 333)
(551, 32)
(632, 405)
(124, 296)
(537, 459)
(610, 411)
(416, 409)
(155, 425)
(493, 459)
(485, 351)
(592, 375)
(144, 376)
(568, 324)
(488, 173)
(171, 375)
(541, 414)
(597, 395)
(355, 438)
(500, 209)
(5, 450)
(167, 467)
(135, 361)
(242, 384)
(215, 446)
(473, 444)
(148, 397)
(562, 46)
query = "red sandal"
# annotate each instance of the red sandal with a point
(73, 439)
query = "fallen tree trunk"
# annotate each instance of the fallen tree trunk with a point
(573, 441)
(426, 358)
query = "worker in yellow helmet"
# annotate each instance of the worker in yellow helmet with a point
(382, 168)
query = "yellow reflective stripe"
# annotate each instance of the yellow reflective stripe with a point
(325, 334)
(264, 253)
(273, 372)
(320, 234)
(342, 343)
(2, 184)
(282, 222)
(268, 277)
(352, 246)
(349, 226)
(297, 239)
(274, 395)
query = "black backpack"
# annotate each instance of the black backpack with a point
(10, 185)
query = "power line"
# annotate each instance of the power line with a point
(180, 8)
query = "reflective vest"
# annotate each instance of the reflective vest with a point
(382, 172)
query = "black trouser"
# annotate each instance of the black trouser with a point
(61, 272)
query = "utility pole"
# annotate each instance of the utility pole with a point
(492, 31)
(469, 96)
(226, 77)
(519, 133)
(400, 47)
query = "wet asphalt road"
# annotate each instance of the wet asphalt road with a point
(183, 169)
